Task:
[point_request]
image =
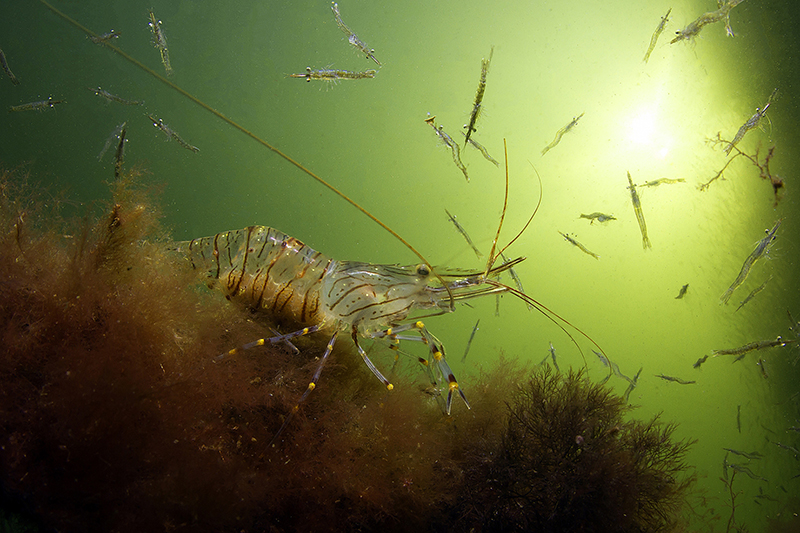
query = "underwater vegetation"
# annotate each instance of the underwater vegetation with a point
(568, 460)
(114, 414)
(115, 417)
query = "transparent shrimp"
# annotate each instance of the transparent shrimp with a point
(37, 106)
(637, 208)
(751, 123)
(99, 91)
(7, 69)
(106, 37)
(560, 133)
(656, 35)
(476, 106)
(270, 271)
(171, 134)
(693, 29)
(578, 245)
(352, 38)
(160, 42)
(332, 75)
(760, 250)
(448, 141)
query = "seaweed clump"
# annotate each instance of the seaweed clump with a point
(567, 460)
(116, 415)
(113, 412)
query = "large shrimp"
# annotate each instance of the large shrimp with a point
(269, 270)
(272, 272)
(275, 273)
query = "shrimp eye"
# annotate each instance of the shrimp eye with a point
(422, 270)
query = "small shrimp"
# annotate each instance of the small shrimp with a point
(682, 292)
(760, 250)
(99, 91)
(171, 134)
(464, 233)
(637, 208)
(751, 346)
(661, 181)
(476, 106)
(119, 155)
(600, 217)
(331, 75)
(753, 293)
(352, 38)
(7, 69)
(160, 42)
(104, 38)
(656, 35)
(37, 106)
(579, 245)
(675, 380)
(448, 141)
(560, 133)
(114, 135)
(751, 123)
(469, 342)
(482, 149)
(693, 29)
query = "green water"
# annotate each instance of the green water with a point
(552, 61)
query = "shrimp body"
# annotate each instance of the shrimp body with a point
(724, 12)
(637, 208)
(160, 42)
(332, 75)
(268, 270)
(751, 123)
(352, 38)
(693, 29)
(37, 106)
(761, 249)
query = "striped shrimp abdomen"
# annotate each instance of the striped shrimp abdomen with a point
(264, 269)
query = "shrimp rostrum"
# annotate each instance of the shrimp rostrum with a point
(270, 271)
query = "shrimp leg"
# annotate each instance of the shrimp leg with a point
(311, 386)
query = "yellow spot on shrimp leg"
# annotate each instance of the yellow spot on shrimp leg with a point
(443, 370)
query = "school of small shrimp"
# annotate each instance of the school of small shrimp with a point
(476, 184)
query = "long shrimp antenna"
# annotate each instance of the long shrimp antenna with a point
(492, 256)
(250, 134)
(543, 309)
(536, 210)
(551, 315)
